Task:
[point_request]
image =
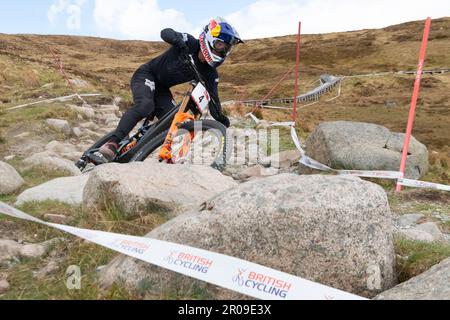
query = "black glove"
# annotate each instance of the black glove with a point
(176, 39)
(180, 44)
(225, 121)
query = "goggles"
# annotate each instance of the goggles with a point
(222, 48)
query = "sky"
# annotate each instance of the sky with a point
(144, 19)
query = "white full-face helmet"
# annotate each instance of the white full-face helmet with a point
(217, 41)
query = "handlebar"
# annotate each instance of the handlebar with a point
(190, 59)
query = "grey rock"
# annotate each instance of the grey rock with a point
(139, 188)
(255, 171)
(390, 104)
(263, 124)
(88, 113)
(431, 285)
(117, 101)
(268, 172)
(50, 268)
(89, 125)
(23, 135)
(9, 250)
(109, 110)
(231, 170)
(265, 161)
(59, 125)
(77, 132)
(79, 83)
(363, 146)
(38, 250)
(111, 124)
(328, 229)
(52, 162)
(10, 181)
(109, 118)
(4, 286)
(415, 234)
(442, 217)
(33, 251)
(284, 159)
(447, 237)
(56, 218)
(432, 229)
(409, 219)
(67, 190)
(92, 134)
(63, 150)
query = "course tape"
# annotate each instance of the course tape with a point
(224, 271)
(313, 164)
(393, 175)
(422, 184)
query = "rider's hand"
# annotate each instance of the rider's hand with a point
(180, 44)
(225, 121)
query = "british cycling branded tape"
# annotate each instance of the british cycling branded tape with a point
(235, 274)
(422, 184)
(393, 175)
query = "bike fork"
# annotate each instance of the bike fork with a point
(180, 118)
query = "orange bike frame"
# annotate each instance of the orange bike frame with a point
(181, 117)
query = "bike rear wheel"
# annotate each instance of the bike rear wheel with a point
(207, 148)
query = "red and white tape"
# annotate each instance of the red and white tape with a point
(238, 275)
(392, 175)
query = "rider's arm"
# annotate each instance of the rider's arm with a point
(176, 39)
(215, 107)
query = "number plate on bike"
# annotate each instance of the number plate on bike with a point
(201, 97)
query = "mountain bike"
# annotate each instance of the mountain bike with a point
(183, 135)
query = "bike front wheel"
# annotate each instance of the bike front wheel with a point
(197, 142)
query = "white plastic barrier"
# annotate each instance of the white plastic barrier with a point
(227, 272)
(393, 175)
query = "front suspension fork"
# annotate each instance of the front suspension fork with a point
(181, 117)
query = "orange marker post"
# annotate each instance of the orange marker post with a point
(415, 97)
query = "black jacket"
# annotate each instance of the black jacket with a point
(169, 70)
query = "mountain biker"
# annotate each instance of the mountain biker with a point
(151, 83)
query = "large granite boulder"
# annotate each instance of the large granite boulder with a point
(364, 146)
(334, 230)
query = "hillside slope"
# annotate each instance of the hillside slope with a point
(27, 72)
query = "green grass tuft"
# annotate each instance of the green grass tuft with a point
(418, 257)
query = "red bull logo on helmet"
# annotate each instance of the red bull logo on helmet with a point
(204, 48)
(215, 28)
(263, 283)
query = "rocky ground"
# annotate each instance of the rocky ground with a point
(349, 221)
(405, 237)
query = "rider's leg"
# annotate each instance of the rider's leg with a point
(143, 89)
(164, 103)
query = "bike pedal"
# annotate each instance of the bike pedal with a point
(81, 164)
(97, 158)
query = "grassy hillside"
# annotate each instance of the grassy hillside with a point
(27, 72)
